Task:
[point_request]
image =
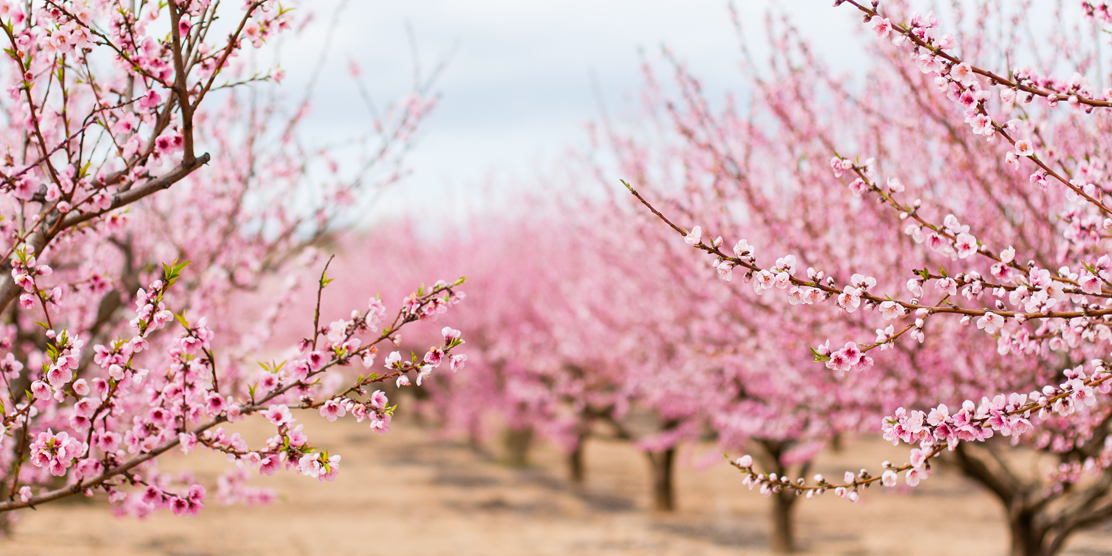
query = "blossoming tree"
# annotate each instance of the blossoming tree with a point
(976, 210)
(111, 107)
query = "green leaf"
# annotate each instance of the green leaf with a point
(173, 271)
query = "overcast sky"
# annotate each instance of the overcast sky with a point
(518, 89)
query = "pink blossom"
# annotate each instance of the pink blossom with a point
(915, 286)
(694, 237)
(966, 245)
(881, 26)
(962, 73)
(858, 187)
(188, 442)
(434, 356)
(913, 476)
(457, 361)
(394, 360)
(214, 403)
(316, 360)
(888, 478)
(725, 270)
(332, 410)
(890, 310)
(380, 426)
(378, 399)
(947, 286)
(278, 414)
(990, 322)
(849, 299)
(425, 371)
(918, 458)
(40, 390)
(450, 334)
(1089, 283)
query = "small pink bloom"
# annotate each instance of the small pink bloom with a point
(393, 360)
(1089, 282)
(40, 390)
(434, 356)
(378, 399)
(425, 371)
(914, 476)
(188, 442)
(215, 403)
(858, 187)
(694, 236)
(918, 457)
(889, 478)
(278, 414)
(450, 335)
(966, 245)
(990, 322)
(316, 360)
(881, 26)
(962, 73)
(890, 310)
(457, 361)
(332, 410)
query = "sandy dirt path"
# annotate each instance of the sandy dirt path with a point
(409, 492)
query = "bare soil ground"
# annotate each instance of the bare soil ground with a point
(411, 492)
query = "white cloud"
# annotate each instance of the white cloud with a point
(519, 89)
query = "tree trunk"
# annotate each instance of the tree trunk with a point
(782, 540)
(782, 536)
(1020, 501)
(1025, 539)
(474, 434)
(517, 443)
(661, 465)
(575, 464)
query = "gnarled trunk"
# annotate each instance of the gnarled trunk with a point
(782, 536)
(517, 443)
(1026, 540)
(661, 465)
(475, 434)
(782, 540)
(576, 473)
(1026, 507)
